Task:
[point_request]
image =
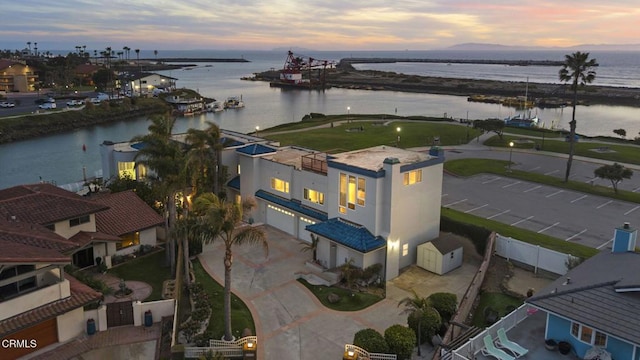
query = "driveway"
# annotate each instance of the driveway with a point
(290, 321)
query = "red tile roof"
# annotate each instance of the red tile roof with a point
(81, 295)
(85, 237)
(23, 242)
(86, 69)
(44, 204)
(127, 213)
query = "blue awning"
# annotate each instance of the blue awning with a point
(349, 234)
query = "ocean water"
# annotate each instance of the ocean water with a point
(60, 157)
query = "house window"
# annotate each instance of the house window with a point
(351, 204)
(238, 199)
(127, 170)
(129, 240)
(280, 185)
(20, 286)
(314, 196)
(412, 177)
(405, 249)
(342, 200)
(361, 191)
(81, 220)
(238, 169)
(588, 335)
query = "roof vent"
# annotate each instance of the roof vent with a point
(626, 225)
(567, 282)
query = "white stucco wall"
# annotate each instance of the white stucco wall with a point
(71, 324)
(63, 229)
(34, 299)
(310, 180)
(148, 236)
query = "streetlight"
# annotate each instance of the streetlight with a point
(398, 138)
(257, 128)
(348, 114)
(510, 154)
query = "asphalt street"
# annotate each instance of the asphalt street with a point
(565, 214)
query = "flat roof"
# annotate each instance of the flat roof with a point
(373, 158)
(292, 156)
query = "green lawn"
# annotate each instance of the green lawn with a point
(498, 302)
(469, 167)
(621, 153)
(412, 134)
(240, 315)
(349, 301)
(149, 269)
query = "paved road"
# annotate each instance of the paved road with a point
(565, 214)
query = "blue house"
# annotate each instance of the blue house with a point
(597, 304)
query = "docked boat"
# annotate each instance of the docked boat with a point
(234, 102)
(214, 106)
(522, 121)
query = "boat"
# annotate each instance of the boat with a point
(522, 121)
(214, 106)
(233, 102)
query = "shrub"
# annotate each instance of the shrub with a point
(477, 234)
(371, 340)
(445, 303)
(401, 341)
(429, 324)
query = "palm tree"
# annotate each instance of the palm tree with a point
(577, 69)
(155, 52)
(224, 218)
(203, 159)
(313, 246)
(165, 158)
(417, 306)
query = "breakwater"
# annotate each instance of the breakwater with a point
(454, 61)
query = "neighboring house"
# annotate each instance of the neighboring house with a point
(17, 76)
(367, 206)
(39, 304)
(129, 218)
(143, 83)
(85, 73)
(598, 302)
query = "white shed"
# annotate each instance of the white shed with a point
(440, 255)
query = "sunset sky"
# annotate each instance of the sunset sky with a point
(319, 25)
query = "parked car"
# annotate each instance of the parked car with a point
(47, 106)
(6, 104)
(75, 102)
(95, 101)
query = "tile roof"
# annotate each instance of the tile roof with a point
(587, 294)
(234, 183)
(44, 204)
(349, 234)
(83, 238)
(446, 244)
(32, 241)
(126, 213)
(294, 205)
(81, 295)
(255, 149)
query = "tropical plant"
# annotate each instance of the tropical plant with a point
(577, 69)
(423, 317)
(401, 341)
(614, 173)
(620, 132)
(371, 340)
(312, 246)
(445, 303)
(204, 159)
(223, 218)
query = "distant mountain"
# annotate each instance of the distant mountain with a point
(584, 47)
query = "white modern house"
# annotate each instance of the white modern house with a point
(367, 206)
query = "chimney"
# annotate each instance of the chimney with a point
(624, 239)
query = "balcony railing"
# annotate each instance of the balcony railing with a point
(315, 162)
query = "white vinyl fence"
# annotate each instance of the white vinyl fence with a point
(534, 255)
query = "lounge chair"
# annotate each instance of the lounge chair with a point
(504, 343)
(491, 350)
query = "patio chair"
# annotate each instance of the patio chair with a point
(491, 350)
(504, 343)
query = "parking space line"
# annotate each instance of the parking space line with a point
(636, 189)
(605, 243)
(498, 214)
(548, 227)
(632, 210)
(522, 220)
(572, 176)
(474, 209)
(492, 180)
(455, 202)
(578, 199)
(555, 193)
(574, 235)
(551, 172)
(533, 188)
(605, 204)
(508, 185)
(535, 168)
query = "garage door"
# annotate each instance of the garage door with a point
(303, 234)
(44, 333)
(282, 219)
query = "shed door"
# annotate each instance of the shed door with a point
(431, 261)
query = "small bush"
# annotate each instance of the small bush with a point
(445, 303)
(401, 341)
(429, 324)
(371, 340)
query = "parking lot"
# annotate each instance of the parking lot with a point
(564, 214)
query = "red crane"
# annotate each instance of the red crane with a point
(294, 66)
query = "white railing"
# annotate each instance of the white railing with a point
(476, 343)
(232, 348)
(363, 354)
